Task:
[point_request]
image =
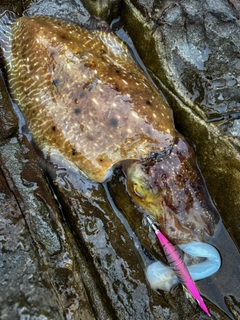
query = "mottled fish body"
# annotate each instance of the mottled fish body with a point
(83, 95)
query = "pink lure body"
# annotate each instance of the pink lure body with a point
(178, 266)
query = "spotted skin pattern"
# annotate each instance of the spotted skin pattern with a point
(85, 99)
(83, 95)
(173, 191)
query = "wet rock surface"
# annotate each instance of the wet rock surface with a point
(198, 45)
(8, 119)
(39, 277)
(78, 257)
